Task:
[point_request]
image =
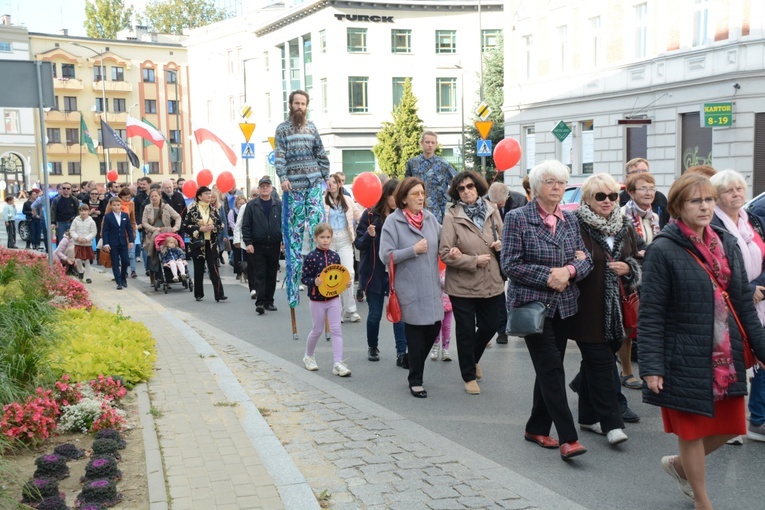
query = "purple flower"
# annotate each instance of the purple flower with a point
(40, 482)
(52, 458)
(100, 483)
(100, 462)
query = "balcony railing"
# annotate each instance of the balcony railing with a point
(67, 84)
(112, 86)
(62, 116)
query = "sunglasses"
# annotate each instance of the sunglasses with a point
(65, 189)
(600, 196)
(469, 185)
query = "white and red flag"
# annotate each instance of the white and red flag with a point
(137, 128)
(205, 135)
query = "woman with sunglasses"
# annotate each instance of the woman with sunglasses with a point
(598, 326)
(470, 245)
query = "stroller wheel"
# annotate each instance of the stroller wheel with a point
(191, 286)
(165, 288)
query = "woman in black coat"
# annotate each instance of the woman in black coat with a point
(202, 224)
(691, 351)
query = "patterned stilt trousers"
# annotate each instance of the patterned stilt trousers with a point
(301, 210)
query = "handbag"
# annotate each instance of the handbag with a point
(630, 303)
(105, 259)
(750, 359)
(393, 310)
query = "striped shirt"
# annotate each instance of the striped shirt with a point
(299, 155)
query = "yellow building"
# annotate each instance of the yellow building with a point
(144, 76)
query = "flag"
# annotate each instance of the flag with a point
(203, 135)
(173, 151)
(85, 138)
(113, 141)
(137, 128)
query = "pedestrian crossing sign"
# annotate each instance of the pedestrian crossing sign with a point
(483, 148)
(248, 151)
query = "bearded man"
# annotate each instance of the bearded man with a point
(302, 166)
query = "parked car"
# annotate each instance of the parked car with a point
(571, 197)
(22, 227)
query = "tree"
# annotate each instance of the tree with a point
(493, 87)
(104, 18)
(173, 16)
(398, 141)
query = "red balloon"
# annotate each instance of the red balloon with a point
(204, 177)
(225, 182)
(112, 176)
(507, 154)
(441, 265)
(367, 189)
(189, 189)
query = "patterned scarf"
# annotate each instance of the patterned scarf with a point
(608, 227)
(712, 253)
(476, 212)
(414, 220)
(635, 213)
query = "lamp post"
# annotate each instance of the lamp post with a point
(174, 74)
(103, 96)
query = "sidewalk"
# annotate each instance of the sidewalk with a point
(213, 448)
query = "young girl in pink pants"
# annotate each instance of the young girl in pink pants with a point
(323, 307)
(441, 345)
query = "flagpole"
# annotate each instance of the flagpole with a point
(80, 140)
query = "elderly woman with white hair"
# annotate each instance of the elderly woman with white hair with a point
(748, 231)
(598, 326)
(543, 256)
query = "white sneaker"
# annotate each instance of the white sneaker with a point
(302, 288)
(736, 441)
(616, 436)
(756, 432)
(668, 465)
(352, 317)
(445, 356)
(310, 363)
(341, 370)
(595, 427)
(253, 294)
(434, 353)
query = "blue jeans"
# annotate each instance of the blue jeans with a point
(61, 228)
(757, 398)
(376, 302)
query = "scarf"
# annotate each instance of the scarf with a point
(204, 213)
(476, 212)
(712, 253)
(600, 229)
(414, 220)
(636, 214)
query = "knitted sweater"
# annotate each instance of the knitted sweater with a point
(299, 155)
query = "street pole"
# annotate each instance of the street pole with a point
(46, 199)
(246, 161)
(480, 51)
(103, 98)
(177, 123)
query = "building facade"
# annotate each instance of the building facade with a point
(144, 76)
(637, 79)
(353, 58)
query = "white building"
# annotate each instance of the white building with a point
(352, 57)
(596, 65)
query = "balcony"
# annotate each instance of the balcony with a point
(61, 148)
(112, 86)
(67, 84)
(62, 116)
(111, 117)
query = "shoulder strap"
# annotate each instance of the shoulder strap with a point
(392, 273)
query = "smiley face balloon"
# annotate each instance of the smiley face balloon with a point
(334, 280)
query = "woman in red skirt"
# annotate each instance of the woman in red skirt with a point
(691, 349)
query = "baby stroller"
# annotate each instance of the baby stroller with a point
(162, 275)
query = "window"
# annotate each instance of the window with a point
(637, 142)
(266, 63)
(357, 94)
(323, 41)
(446, 95)
(356, 162)
(102, 166)
(175, 136)
(55, 167)
(357, 40)
(696, 142)
(72, 136)
(172, 106)
(12, 122)
(563, 48)
(446, 41)
(528, 49)
(121, 133)
(400, 41)
(148, 75)
(567, 148)
(5, 47)
(118, 104)
(324, 94)
(490, 39)
(175, 167)
(398, 90)
(150, 105)
(641, 30)
(53, 135)
(118, 74)
(53, 66)
(67, 70)
(232, 109)
(100, 102)
(701, 21)
(588, 146)
(530, 148)
(268, 106)
(230, 61)
(595, 35)
(153, 167)
(70, 104)
(171, 76)
(98, 73)
(73, 168)
(55, 103)
(123, 167)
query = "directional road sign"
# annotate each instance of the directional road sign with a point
(483, 148)
(271, 158)
(248, 150)
(245, 111)
(561, 131)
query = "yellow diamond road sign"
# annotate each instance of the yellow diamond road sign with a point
(247, 130)
(245, 111)
(483, 110)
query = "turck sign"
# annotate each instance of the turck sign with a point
(363, 17)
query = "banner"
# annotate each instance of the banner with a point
(137, 128)
(113, 141)
(85, 138)
(203, 135)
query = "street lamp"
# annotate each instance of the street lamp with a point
(103, 95)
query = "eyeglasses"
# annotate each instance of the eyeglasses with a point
(637, 171)
(94, 194)
(710, 201)
(646, 190)
(551, 183)
(66, 189)
(416, 194)
(600, 196)
(469, 185)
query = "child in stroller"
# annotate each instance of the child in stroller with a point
(173, 258)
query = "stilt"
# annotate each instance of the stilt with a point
(294, 325)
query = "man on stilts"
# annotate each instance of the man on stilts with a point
(302, 166)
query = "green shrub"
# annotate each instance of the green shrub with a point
(101, 342)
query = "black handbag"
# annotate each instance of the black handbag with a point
(529, 319)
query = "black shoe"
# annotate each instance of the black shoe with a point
(199, 299)
(573, 386)
(501, 338)
(221, 299)
(403, 361)
(373, 354)
(260, 310)
(119, 287)
(133, 275)
(271, 308)
(124, 282)
(628, 415)
(419, 394)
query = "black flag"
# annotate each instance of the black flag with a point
(112, 141)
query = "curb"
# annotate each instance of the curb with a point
(155, 472)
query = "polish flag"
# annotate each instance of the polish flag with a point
(205, 135)
(137, 128)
